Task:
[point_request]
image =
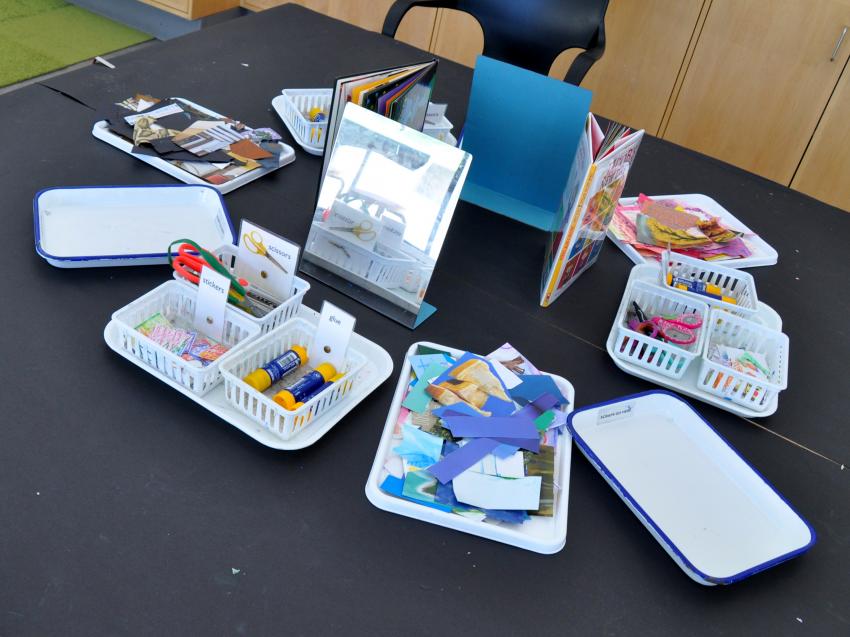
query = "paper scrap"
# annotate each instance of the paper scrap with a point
(420, 363)
(418, 447)
(512, 466)
(510, 379)
(395, 486)
(503, 451)
(417, 400)
(491, 492)
(461, 459)
(543, 421)
(493, 427)
(532, 387)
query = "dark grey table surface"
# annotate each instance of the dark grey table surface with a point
(126, 506)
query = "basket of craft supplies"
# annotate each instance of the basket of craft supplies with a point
(305, 113)
(157, 328)
(647, 350)
(259, 382)
(283, 310)
(743, 361)
(716, 285)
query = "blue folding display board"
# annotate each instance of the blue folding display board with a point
(522, 129)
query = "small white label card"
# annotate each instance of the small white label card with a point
(211, 303)
(266, 260)
(330, 343)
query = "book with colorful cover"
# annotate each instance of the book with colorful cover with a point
(401, 94)
(597, 177)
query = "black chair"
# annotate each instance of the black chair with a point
(527, 33)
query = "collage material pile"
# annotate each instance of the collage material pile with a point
(478, 436)
(215, 148)
(652, 225)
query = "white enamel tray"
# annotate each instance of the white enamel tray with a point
(102, 132)
(715, 515)
(86, 227)
(687, 385)
(762, 252)
(378, 368)
(539, 534)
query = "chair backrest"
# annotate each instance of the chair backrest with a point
(525, 33)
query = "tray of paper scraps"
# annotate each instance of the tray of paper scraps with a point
(375, 369)
(693, 225)
(477, 444)
(192, 143)
(689, 369)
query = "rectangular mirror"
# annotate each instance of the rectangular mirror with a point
(384, 208)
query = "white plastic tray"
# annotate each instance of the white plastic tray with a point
(86, 227)
(378, 368)
(539, 534)
(766, 315)
(715, 515)
(102, 132)
(762, 252)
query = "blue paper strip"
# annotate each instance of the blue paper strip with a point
(460, 460)
(495, 427)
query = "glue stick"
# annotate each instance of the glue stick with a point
(264, 377)
(290, 397)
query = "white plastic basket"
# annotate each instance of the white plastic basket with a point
(227, 254)
(388, 271)
(734, 331)
(658, 356)
(176, 301)
(735, 284)
(297, 103)
(261, 408)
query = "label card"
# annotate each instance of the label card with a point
(266, 260)
(332, 337)
(211, 303)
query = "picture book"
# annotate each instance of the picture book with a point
(401, 94)
(597, 177)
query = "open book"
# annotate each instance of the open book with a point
(601, 165)
(401, 94)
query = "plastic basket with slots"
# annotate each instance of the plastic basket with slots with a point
(282, 313)
(639, 349)
(294, 105)
(176, 301)
(734, 331)
(262, 408)
(732, 283)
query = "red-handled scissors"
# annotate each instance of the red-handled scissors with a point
(679, 330)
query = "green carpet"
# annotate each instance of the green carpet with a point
(39, 36)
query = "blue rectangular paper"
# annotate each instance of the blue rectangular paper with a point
(533, 387)
(461, 459)
(495, 427)
(521, 118)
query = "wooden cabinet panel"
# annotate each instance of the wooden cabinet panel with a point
(825, 170)
(193, 9)
(646, 43)
(416, 28)
(759, 80)
(632, 83)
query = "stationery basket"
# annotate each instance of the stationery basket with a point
(176, 301)
(388, 271)
(297, 103)
(227, 255)
(656, 355)
(260, 407)
(733, 283)
(720, 380)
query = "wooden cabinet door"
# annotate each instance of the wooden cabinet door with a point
(416, 28)
(759, 80)
(825, 170)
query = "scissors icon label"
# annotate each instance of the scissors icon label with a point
(254, 242)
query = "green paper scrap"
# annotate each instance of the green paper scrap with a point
(544, 420)
(543, 464)
(424, 349)
(417, 400)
